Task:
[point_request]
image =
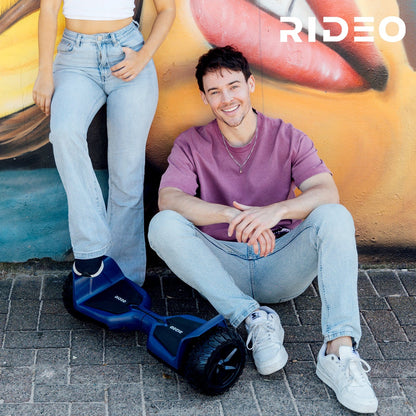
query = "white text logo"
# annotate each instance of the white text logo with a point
(397, 29)
(173, 328)
(120, 299)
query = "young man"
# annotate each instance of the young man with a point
(231, 227)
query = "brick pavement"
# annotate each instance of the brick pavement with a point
(52, 364)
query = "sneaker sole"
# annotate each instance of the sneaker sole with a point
(369, 408)
(278, 364)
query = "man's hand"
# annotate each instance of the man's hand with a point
(265, 243)
(200, 212)
(252, 221)
(131, 65)
(253, 226)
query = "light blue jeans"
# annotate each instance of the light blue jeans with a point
(234, 279)
(83, 83)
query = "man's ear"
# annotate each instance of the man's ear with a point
(204, 98)
(251, 83)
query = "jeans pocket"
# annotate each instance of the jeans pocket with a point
(115, 52)
(66, 46)
(135, 41)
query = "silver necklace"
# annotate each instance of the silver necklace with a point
(240, 165)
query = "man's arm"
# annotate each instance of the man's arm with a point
(200, 212)
(317, 190)
(194, 209)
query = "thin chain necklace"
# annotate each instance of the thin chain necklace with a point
(240, 165)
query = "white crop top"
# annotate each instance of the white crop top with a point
(98, 9)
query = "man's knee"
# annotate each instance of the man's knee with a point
(165, 226)
(334, 218)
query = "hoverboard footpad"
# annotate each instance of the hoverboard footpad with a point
(116, 299)
(178, 328)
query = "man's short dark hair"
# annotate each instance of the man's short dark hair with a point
(221, 57)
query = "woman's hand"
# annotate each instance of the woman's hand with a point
(133, 61)
(43, 91)
(44, 86)
(131, 65)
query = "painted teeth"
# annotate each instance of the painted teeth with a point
(296, 8)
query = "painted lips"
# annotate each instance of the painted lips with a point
(346, 66)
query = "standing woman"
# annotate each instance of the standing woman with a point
(101, 59)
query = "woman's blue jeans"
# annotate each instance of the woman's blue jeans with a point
(83, 83)
(234, 279)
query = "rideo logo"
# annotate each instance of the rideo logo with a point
(120, 299)
(362, 32)
(173, 328)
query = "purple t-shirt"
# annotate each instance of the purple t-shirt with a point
(282, 159)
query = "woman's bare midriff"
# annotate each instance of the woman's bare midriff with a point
(90, 27)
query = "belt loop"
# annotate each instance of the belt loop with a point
(114, 39)
(136, 23)
(78, 40)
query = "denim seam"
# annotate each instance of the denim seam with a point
(321, 284)
(240, 317)
(251, 265)
(294, 236)
(335, 335)
(219, 246)
(92, 254)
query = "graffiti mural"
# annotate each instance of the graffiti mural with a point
(343, 72)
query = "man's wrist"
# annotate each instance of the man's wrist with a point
(230, 213)
(281, 210)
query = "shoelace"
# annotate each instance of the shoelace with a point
(261, 331)
(356, 368)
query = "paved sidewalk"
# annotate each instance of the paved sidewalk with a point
(52, 364)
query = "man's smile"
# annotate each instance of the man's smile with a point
(230, 110)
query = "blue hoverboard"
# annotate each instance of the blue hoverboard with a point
(208, 354)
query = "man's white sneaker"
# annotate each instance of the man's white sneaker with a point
(347, 377)
(265, 339)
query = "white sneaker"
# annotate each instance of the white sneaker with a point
(347, 377)
(265, 339)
